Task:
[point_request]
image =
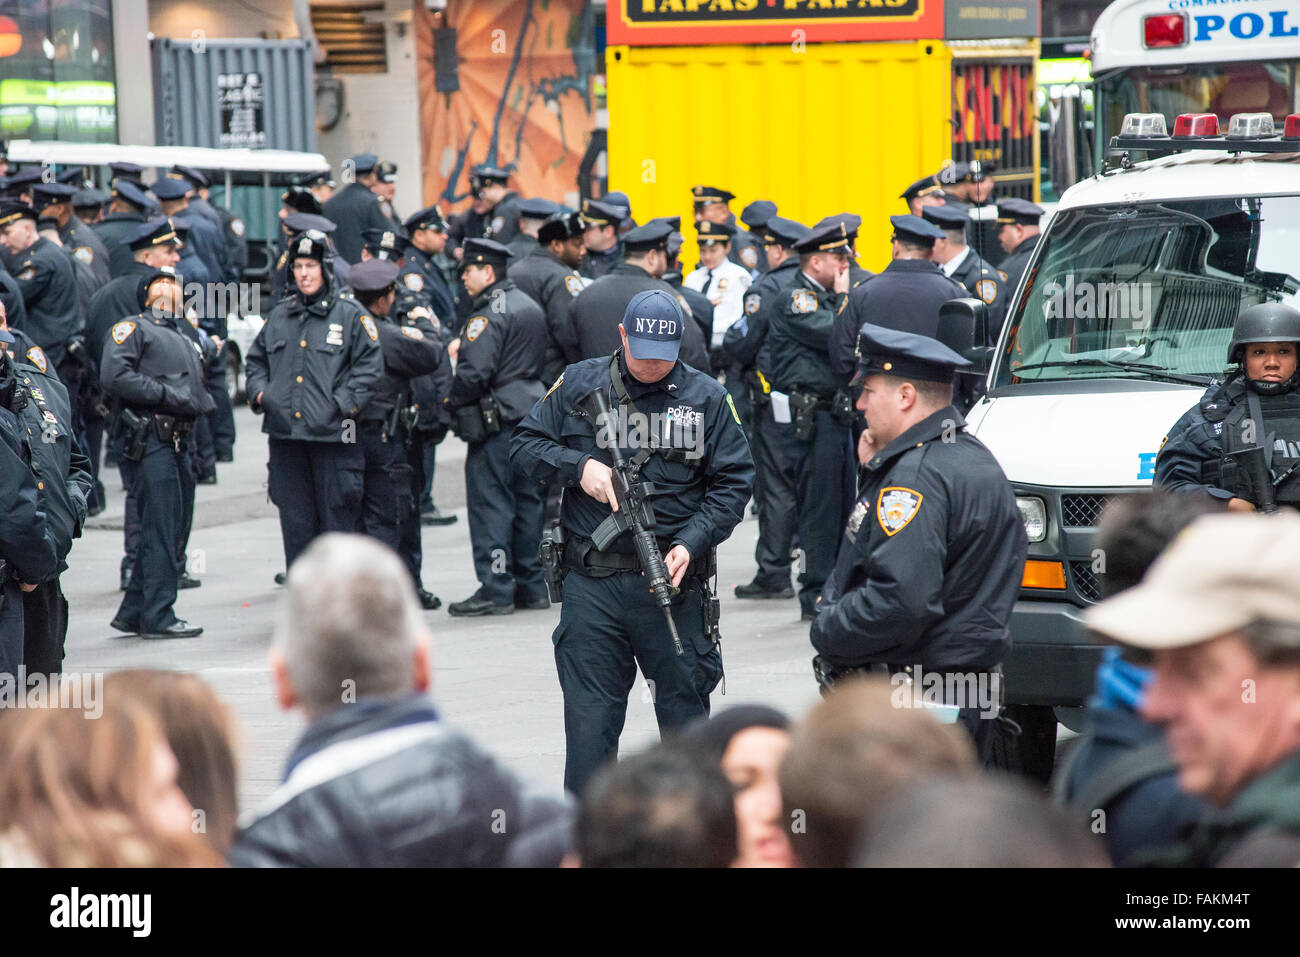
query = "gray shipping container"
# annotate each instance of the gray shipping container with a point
(234, 93)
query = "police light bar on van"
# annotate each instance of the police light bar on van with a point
(1247, 133)
(1164, 30)
(1196, 124)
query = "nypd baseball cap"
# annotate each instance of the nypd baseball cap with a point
(653, 323)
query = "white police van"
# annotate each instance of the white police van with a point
(1120, 321)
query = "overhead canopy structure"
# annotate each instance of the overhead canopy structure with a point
(164, 157)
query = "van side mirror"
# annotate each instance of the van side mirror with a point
(963, 328)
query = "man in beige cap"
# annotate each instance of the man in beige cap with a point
(1219, 612)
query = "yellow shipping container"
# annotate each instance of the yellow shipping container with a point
(818, 128)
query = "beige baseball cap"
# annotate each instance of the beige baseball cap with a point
(1218, 575)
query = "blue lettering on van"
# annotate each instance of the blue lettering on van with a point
(1146, 465)
(1244, 26)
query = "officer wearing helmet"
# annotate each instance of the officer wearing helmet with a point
(312, 370)
(1240, 444)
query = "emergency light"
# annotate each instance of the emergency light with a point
(1246, 132)
(1196, 124)
(1164, 30)
(1291, 129)
(1250, 126)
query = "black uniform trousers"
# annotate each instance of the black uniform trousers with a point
(776, 459)
(45, 628)
(96, 425)
(318, 488)
(386, 502)
(505, 521)
(609, 626)
(222, 418)
(430, 463)
(162, 484)
(11, 627)
(824, 495)
(410, 546)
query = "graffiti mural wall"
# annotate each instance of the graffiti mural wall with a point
(507, 82)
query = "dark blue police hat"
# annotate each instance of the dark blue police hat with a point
(708, 232)
(653, 322)
(922, 187)
(168, 188)
(301, 199)
(537, 208)
(619, 202)
(757, 213)
(653, 235)
(787, 232)
(195, 178)
(159, 231)
(597, 213)
(132, 192)
(182, 226)
(428, 218)
(48, 194)
(373, 275)
(322, 178)
(560, 226)
(127, 171)
(948, 216)
(301, 222)
(12, 210)
(12, 186)
(483, 252)
(386, 171)
(85, 198)
(364, 162)
(905, 355)
(701, 195)
(1020, 211)
(385, 243)
(73, 175)
(832, 237)
(487, 173)
(914, 229)
(674, 222)
(852, 222)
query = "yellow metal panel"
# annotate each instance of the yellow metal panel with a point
(816, 128)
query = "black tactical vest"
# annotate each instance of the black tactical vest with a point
(1278, 435)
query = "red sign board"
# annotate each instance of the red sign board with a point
(674, 22)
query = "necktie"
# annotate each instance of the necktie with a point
(707, 282)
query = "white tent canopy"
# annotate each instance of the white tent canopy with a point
(164, 157)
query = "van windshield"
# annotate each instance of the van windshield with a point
(1150, 290)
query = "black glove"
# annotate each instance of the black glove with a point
(12, 396)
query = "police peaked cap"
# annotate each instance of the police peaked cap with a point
(914, 229)
(483, 252)
(710, 194)
(159, 231)
(905, 355)
(757, 213)
(922, 187)
(537, 208)
(711, 232)
(428, 218)
(373, 275)
(1019, 211)
(785, 231)
(653, 235)
(832, 237)
(301, 222)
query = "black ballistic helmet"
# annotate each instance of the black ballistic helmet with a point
(1266, 322)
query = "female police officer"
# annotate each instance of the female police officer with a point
(1248, 425)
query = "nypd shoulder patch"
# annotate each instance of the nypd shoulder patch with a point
(573, 284)
(987, 290)
(36, 356)
(237, 227)
(686, 309)
(121, 331)
(895, 507)
(413, 333)
(85, 254)
(413, 281)
(371, 329)
(749, 256)
(752, 303)
(804, 301)
(498, 224)
(475, 327)
(26, 274)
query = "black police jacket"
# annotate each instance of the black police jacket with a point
(12, 297)
(112, 229)
(150, 365)
(410, 349)
(932, 559)
(49, 286)
(386, 783)
(906, 296)
(420, 276)
(745, 341)
(503, 220)
(746, 251)
(596, 313)
(595, 265)
(26, 539)
(226, 267)
(1013, 267)
(799, 332)
(62, 470)
(501, 350)
(698, 305)
(232, 229)
(549, 282)
(522, 245)
(118, 300)
(468, 225)
(427, 391)
(353, 209)
(84, 243)
(697, 501)
(317, 364)
(985, 283)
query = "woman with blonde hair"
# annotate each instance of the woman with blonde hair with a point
(83, 791)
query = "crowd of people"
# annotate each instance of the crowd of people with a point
(778, 371)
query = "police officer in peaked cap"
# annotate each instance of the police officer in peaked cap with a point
(600, 236)
(1018, 234)
(960, 262)
(355, 208)
(549, 276)
(930, 566)
(532, 213)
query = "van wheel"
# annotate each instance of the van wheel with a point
(1030, 752)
